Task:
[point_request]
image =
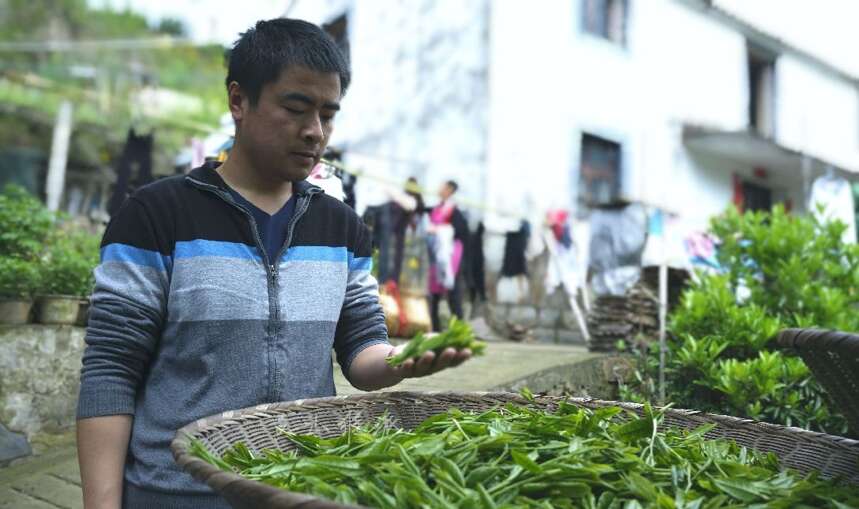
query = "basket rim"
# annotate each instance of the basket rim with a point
(219, 479)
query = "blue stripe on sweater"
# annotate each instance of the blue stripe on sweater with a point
(316, 254)
(124, 253)
(219, 249)
(327, 254)
(360, 264)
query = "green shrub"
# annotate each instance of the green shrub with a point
(18, 278)
(69, 262)
(720, 356)
(24, 223)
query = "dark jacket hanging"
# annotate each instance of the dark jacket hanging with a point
(514, 251)
(137, 154)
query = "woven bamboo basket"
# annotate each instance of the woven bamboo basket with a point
(833, 357)
(326, 417)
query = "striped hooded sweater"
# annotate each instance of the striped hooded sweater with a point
(190, 317)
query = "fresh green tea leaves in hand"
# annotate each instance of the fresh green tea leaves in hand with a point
(458, 336)
(515, 457)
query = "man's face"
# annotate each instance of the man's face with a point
(286, 132)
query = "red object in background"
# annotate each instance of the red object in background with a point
(391, 288)
(760, 173)
(739, 198)
(557, 219)
(788, 206)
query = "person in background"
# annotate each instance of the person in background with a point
(405, 215)
(448, 232)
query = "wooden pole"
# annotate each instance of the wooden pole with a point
(663, 311)
(571, 292)
(59, 155)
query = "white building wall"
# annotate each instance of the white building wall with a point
(418, 101)
(817, 113)
(497, 95)
(550, 87)
(680, 66)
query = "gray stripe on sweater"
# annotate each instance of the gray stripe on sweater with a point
(145, 286)
(314, 290)
(220, 366)
(214, 288)
(217, 288)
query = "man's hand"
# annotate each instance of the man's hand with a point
(370, 370)
(429, 362)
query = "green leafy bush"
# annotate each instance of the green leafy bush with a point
(18, 278)
(69, 262)
(39, 255)
(796, 272)
(24, 223)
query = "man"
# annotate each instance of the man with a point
(228, 288)
(448, 233)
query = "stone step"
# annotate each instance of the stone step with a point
(11, 499)
(53, 489)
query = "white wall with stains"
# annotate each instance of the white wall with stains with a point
(497, 94)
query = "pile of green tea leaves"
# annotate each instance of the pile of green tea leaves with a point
(515, 457)
(458, 335)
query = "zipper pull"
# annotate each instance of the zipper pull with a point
(274, 272)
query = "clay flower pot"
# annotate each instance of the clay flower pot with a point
(15, 310)
(58, 309)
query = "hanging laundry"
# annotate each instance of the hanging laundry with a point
(198, 152)
(349, 183)
(404, 208)
(563, 256)
(666, 241)
(389, 222)
(558, 221)
(515, 263)
(701, 248)
(133, 170)
(617, 241)
(476, 273)
(325, 177)
(835, 195)
(513, 286)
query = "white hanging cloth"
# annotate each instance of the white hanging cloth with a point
(834, 194)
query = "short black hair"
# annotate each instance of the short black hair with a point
(453, 185)
(271, 46)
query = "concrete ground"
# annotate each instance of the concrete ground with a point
(51, 479)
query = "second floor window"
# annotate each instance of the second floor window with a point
(599, 172)
(606, 19)
(761, 65)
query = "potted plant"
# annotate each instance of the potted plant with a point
(19, 279)
(24, 223)
(69, 262)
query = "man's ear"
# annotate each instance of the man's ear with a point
(238, 101)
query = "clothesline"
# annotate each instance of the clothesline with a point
(387, 180)
(463, 201)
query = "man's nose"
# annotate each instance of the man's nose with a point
(312, 131)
